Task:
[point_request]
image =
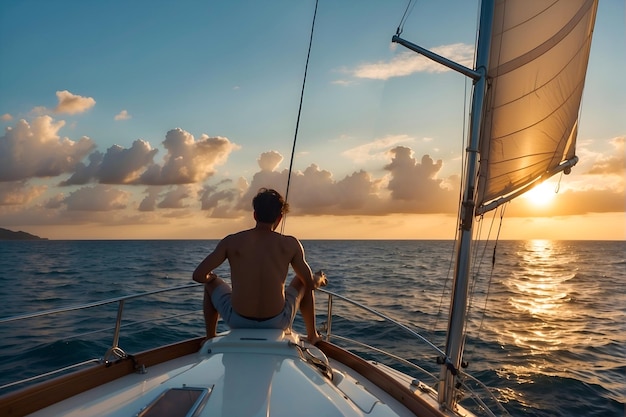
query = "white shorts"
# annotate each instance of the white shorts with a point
(222, 301)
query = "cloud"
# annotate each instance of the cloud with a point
(85, 173)
(408, 62)
(37, 150)
(6, 117)
(219, 202)
(416, 183)
(316, 192)
(72, 104)
(613, 164)
(571, 203)
(118, 165)
(319, 187)
(123, 115)
(125, 166)
(18, 193)
(175, 199)
(149, 202)
(372, 151)
(269, 161)
(56, 202)
(357, 191)
(187, 160)
(97, 198)
(343, 82)
(410, 187)
(178, 185)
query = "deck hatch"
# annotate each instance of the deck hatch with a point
(177, 402)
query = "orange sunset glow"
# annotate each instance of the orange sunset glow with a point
(101, 139)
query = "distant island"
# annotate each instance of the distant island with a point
(6, 234)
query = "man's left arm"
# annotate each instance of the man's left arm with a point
(301, 267)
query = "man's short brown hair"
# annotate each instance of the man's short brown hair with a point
(268, 205)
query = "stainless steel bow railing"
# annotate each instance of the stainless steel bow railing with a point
(115, 351)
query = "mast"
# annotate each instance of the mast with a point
(458, 307)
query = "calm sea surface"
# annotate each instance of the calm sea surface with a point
(547, 324)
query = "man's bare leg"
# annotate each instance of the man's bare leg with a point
(307, 305)
(210, 313)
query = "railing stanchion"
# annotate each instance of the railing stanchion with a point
(118, 324)
(329, 316)
(115, 352)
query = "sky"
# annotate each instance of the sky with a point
(161, 120)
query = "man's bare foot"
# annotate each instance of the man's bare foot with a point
(319, 279)
(314, 339)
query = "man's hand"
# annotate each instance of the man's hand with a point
(210, 277)
(319, 279)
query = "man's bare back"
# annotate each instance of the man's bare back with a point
(259, 262)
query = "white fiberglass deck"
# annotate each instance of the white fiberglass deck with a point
(243, 373)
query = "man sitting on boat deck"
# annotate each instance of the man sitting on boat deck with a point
(259, 260)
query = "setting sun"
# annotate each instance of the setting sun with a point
(542, 194)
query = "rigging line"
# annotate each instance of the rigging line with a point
(445, 284)
(493, 264)
(409, 8)
(464, 138)
(295, 136)
(479, 261)
(475, 268)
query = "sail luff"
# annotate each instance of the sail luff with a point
(536, 74)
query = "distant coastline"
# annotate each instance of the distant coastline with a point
(6, 234)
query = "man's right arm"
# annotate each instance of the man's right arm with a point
(203, 272)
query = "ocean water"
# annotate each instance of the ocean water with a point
(547, 324)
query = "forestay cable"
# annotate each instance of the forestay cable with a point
(295, 136)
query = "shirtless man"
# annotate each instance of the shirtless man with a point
(259, 261)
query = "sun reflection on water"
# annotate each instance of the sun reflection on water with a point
(540, 322)
(540, 296)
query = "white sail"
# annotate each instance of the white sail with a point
(537, 66)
